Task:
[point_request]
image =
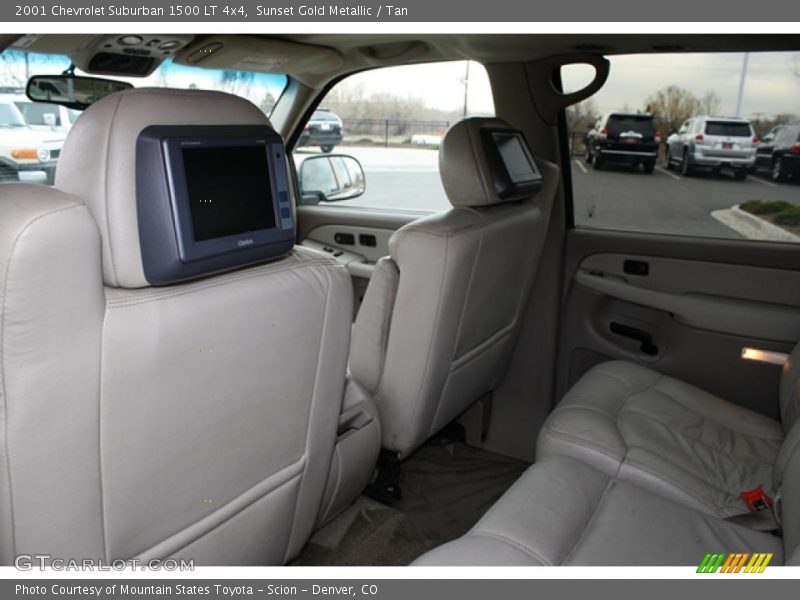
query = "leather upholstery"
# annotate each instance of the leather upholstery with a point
(196, 420)
(666, 435)
(564, 512)
(453, 291)
(789, 399)
(98, 162)
(465, 172)
(628, 486)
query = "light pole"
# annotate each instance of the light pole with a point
(466, 89)
(741, 84)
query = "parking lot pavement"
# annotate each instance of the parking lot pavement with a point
(666, 201)
(613, 198)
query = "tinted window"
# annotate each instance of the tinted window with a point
(621, 123)
(324, 115)
(728, 128)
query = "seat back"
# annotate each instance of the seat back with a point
(194, 421)
(439, 318)
(789, 399)
(787, 467)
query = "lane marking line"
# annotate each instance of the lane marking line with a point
(769, 183)
(580, 165)
(665, 172)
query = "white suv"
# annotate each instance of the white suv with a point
(714, 143)
(27, 153)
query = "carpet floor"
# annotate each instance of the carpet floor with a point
(446, 490)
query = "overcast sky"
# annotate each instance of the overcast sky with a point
(772, 84)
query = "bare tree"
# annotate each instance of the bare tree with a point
(17, 67)
(581, 116)
(710, 104)
(671, 106)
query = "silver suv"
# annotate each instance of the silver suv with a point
(714, 143)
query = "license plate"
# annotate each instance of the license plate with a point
(631, 141)
(727, 145)
(325, 127)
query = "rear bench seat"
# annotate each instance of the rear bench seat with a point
(636, 468)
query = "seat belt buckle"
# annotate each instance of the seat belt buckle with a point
(757, 499)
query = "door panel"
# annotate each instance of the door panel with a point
(356, 237)
(697, 315)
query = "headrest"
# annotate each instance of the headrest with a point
(98, 161)
(469, 164)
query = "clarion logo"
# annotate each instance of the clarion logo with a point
(245, 242)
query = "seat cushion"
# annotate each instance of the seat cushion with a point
(564, 512)
(666, 436)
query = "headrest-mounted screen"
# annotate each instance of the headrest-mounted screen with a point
(210, 198)
(513, 168)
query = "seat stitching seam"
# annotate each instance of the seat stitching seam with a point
(311, 406)
(684, 406)
(588, 522)
(430, 346)
(22, 231)
(514, 543)
(585, 443)
(242, 277)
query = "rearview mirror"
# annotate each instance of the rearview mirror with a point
(71, 91)
(330, 178)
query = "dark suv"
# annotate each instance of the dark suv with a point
(324, 129)
(629, 138)
(779, 152)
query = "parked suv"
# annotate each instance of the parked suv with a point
(779, 152)
(44, 115)
(629, 138)
(26, 153)
(324, 129)
(715, 143)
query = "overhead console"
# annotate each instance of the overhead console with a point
(210, 198)
(264, 55)
(133, 55)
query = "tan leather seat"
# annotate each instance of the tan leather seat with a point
(590, 507)
(671, 437)
(195, 420)
(439, 318)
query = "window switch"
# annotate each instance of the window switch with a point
(345, 239)
(367, 240)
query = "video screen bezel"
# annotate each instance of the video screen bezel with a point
(189, 248)
(505, 187)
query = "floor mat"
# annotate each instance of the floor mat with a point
(446, 489)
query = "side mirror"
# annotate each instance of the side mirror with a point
(330, 178)
(768, 138)
(71, 91)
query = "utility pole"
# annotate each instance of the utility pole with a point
(466, 89)
(745, 60)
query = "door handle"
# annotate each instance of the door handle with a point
(634, 333)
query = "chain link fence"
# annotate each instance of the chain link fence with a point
(393, 132)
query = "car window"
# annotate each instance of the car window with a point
(643, 124)
(392, 121)
(705, 172)
(10, 116)
(35, 112)
(31, 153)
(728, 128)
